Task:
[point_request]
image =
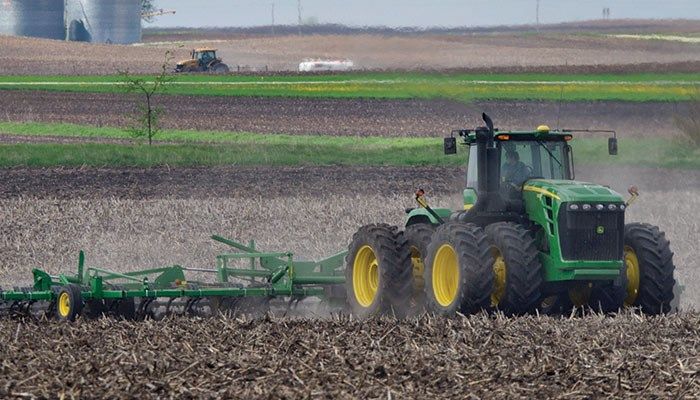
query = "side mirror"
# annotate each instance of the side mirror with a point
(612, 146)
(450, 145)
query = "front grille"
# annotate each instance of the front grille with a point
(580, 237)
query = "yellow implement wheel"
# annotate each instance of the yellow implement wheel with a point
(445, 275)
(64, 305)
(633, 275)
(499, 278)
(69, 302)
(365, 276)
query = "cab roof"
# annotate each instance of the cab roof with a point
(203, 49)
(542, 133)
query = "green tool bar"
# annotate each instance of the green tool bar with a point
(43, 295)
(247, 272)
(212, 292)
(232, 243)
(113, 274)
(318, 280)
(254, 255)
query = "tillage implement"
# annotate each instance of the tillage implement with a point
(529, 238)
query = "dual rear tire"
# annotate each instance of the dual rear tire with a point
(460, 267)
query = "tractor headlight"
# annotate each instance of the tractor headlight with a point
(622, 207)
(573, 207)
(612, 207)
(586, 207)
(599, 207)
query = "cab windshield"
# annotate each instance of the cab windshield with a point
(204, 55)
(523, 160)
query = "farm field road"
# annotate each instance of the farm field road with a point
(354, 117)
(476, 357)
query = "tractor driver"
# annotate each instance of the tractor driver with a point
(515, 172)
(205, 58)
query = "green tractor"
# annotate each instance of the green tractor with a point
(529, 239)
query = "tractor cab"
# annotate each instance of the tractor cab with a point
(204, 56)
(521, 156)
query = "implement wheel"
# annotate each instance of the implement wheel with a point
(69, 303)
(458, 270)
(378, 272)
(649, 265)
(516, 269)
(418, 237)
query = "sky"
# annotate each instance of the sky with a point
(416, 13)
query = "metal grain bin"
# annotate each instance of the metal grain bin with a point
(35, 18)
(104, 21)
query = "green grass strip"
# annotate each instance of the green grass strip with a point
(243, 148)
(463, 87)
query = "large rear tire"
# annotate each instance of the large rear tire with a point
(418, 237)
(457, 270)
(378, 272)
(220, 68)
(649, 262)
(516, 269)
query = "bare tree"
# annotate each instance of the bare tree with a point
(147, 7)
(147, 118)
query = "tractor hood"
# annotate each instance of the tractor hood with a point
(565, 190)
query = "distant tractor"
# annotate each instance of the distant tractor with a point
(528, 239)
(203, 60)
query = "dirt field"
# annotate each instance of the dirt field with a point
(506, 52)
(477, 357)
(361, 117)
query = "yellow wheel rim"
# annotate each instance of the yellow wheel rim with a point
(499, 278)
(64, 304)
(445, 275)
(418, 269)
(633, 275)
(365, 276)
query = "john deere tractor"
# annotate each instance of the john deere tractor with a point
(528, 238)
(202, 60)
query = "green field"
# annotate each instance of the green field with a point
(464, 87)
(206, 148)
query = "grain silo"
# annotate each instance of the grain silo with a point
(34, 18)
(104, 21)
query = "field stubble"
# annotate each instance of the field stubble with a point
(628, 356)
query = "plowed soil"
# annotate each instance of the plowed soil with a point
(357, 117)
(556, 52)
(244, 182)
(465, 358)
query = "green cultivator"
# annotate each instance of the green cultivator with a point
(529, 239)
(152, 293)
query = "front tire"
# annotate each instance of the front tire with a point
(378, 272)
(457, 270)
(649, 262)
(516, 269)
